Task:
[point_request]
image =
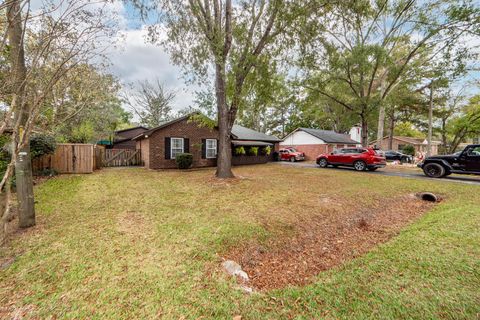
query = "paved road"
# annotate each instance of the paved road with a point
(465, 179)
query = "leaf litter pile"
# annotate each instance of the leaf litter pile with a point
(323, 241)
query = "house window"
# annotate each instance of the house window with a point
(211, 148)
(176, 147)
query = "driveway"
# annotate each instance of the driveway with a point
(394, 172)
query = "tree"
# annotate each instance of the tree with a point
(229, 39)
(67, 33)
(83, 107)
(151, 102)
(466, 124)
(366, 48)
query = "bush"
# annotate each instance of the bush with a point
(48, 172)
(184, 160)
(268, 150)
(409, 149)
(42, 144)
(253, 151)
(239, 151)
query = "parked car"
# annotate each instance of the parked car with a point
(359, 158)
(465, 162)
(290, 154)
(391, 155)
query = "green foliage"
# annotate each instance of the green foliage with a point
(85, 133)
(4, 153)
(48, 172)
(202, 121)
(266, 150)
(85, 108)
(406, 129)
(409, 149)
(466, 124)
(184, 160)
(41, 144)
(253, 151)
(240, 151)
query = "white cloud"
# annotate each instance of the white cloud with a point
(136, 60)
(133, 59)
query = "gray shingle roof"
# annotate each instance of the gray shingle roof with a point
(242, 133)
(238, 132)
(330, 136)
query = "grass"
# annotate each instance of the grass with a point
(132, 243)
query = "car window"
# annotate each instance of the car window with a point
(475, 151)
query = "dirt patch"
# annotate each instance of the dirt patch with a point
(323, 241)
(131, 223)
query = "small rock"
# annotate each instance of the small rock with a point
(234, 269)
(237, 318)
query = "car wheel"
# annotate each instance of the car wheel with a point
(372, 169)
(292, 159)
(434, 170)
(323, 163)
(360, 165)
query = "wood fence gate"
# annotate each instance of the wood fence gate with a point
(68, 158)
(121, 157)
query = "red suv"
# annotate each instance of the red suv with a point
(358, 158)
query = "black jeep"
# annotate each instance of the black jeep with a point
(465, 162)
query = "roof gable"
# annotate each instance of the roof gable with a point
(329, 136)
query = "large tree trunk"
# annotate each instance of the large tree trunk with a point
(381, 124)
(23, 165)
(224, 156)
(364, 131)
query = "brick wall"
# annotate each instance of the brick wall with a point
(313, 150)
(181, 129)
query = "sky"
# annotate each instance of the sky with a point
(134, 59)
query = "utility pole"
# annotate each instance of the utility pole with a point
(430, 122)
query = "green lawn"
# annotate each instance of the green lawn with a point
(132, 243)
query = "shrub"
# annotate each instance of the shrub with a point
(42, 144)
(409, 149)
(267, 150)
(239, 151)
(48, 172)
(253, 151)
(184, 160)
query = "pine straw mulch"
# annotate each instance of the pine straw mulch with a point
(323, 241)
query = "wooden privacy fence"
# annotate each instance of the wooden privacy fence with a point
(121, 157)
(69, 158)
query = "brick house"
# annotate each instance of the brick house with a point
(123, 138)
(158, 146)
(313, 142)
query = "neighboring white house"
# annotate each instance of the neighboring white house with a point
(313, 142)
